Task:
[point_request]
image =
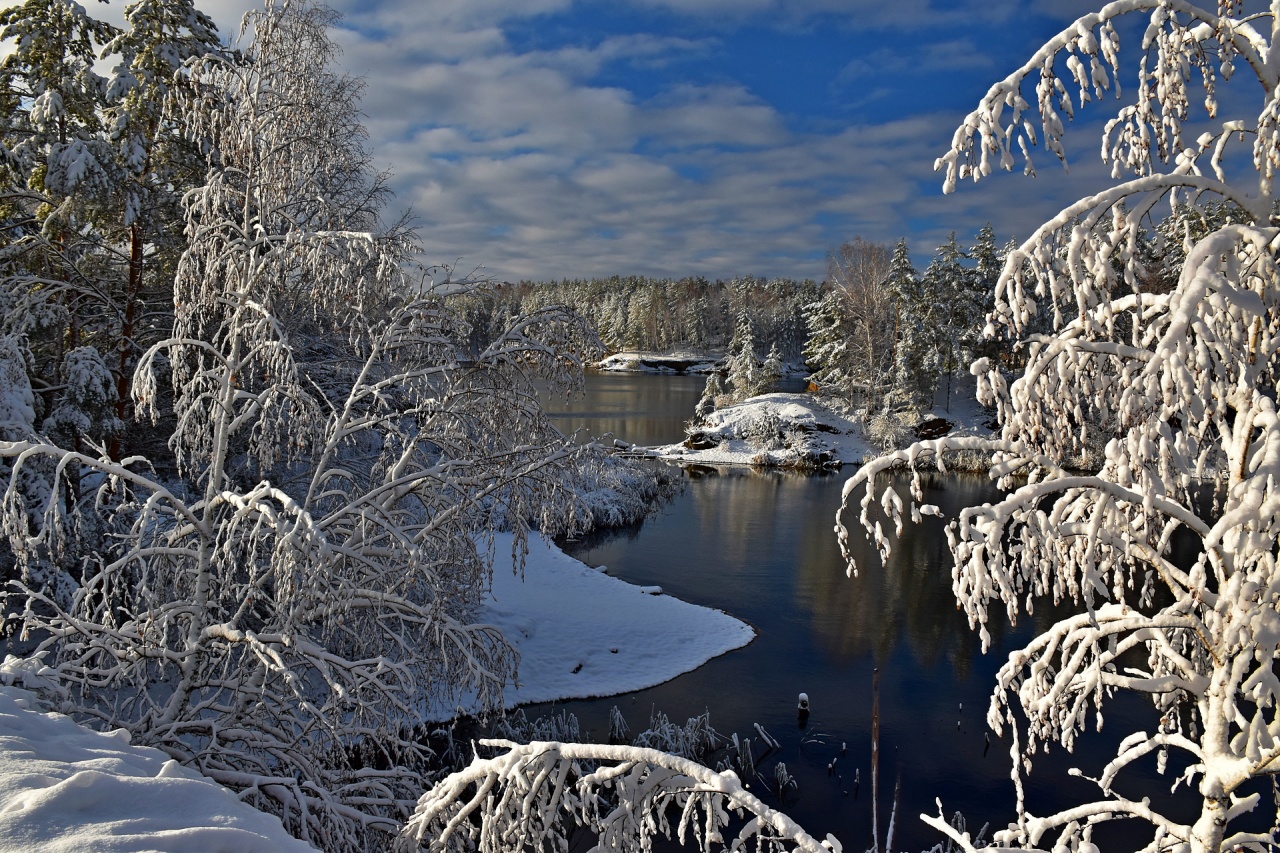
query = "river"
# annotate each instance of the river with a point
(760, 546)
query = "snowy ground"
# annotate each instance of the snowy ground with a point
(579, 632)
(582, 633)
(800, 430)
(66, 788)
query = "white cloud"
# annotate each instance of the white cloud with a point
(528, 162)
(892, 61)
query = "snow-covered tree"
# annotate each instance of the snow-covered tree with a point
(772, 369)
(908, 379)
(852, 327)
(277, 603)
(1182, 383)
(156, 164)
(713, 391)
(744, 369)
(533, 796)
(90, 188)
(978, 296)
(57, 176)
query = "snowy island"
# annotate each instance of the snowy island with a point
(804, 432)
(660, 362)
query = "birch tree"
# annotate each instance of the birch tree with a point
(1179, 388)
(282, 599)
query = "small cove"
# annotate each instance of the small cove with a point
(760, 545)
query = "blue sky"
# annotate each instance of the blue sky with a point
(544, 139)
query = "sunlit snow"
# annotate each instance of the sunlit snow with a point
(66, 788)
(582, 633)
(579, 633)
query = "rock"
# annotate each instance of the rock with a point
(933, 428)
(700, 441)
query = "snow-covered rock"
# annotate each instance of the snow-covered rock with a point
(782, 430)
(655, 362)
(805, 431)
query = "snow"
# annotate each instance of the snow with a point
(748, 434)
(582, 633)
(664, 362)
(66, 788)
(803, 430)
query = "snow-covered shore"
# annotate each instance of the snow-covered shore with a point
(803, 431)
(660, 362)
(67, 789)
(580, 633)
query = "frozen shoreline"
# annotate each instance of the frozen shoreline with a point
(582, 634)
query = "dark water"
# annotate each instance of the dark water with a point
(760, 546)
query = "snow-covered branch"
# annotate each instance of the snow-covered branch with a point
(1138, 417)
(536, 794)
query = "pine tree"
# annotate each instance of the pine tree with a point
(59, 179)
(157, 164)
(945, 315)
(771, 371)
(914, 353)
(744, 377)
(713, 391)
(978, 298)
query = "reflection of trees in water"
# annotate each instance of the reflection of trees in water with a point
(910, 597)
(745, 511)
(780, 524)
(635, 407)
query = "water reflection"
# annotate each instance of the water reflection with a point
(760, 545)
(640, 408)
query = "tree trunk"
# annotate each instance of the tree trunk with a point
(124, 378)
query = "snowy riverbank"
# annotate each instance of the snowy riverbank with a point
(65, 789)
(580, 633)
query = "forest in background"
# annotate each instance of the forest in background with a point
(876, 335)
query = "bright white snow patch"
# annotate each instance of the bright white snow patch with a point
(66, 788)
(807, 431)
(581, 633)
